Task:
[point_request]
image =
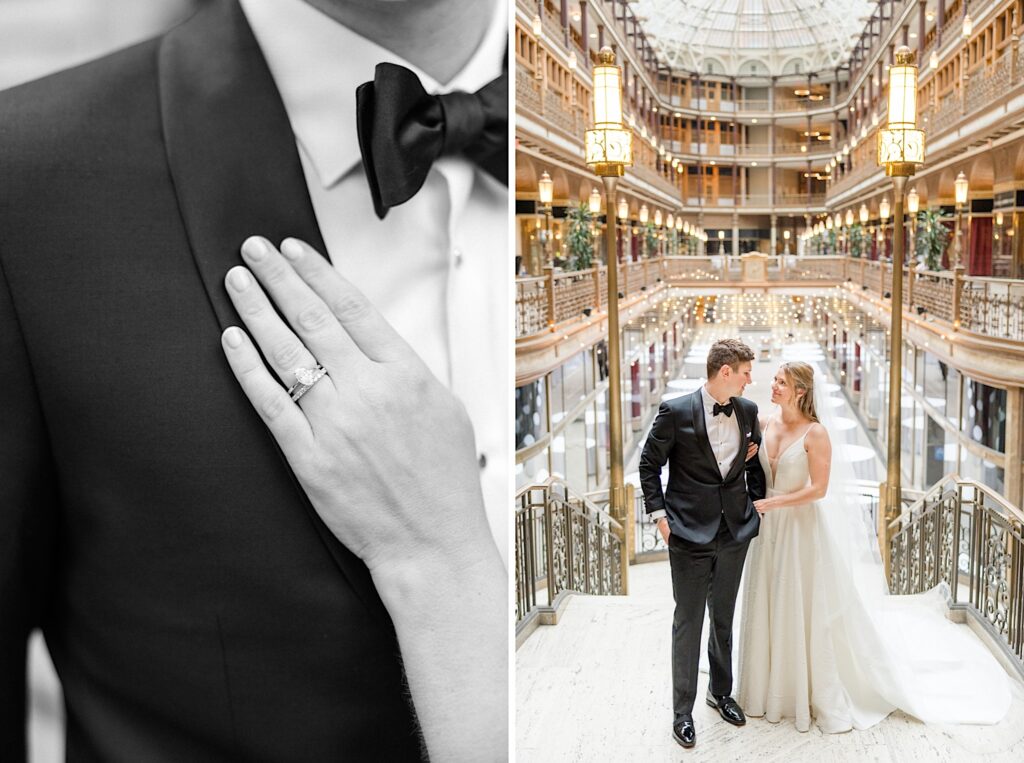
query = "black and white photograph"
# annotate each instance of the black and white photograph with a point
(255, 344)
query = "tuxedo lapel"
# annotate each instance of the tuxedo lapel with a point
(701, 428)
(236, 172)
(744, 425)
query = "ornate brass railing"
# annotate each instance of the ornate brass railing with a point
(991, 307)
(543, 303)
(564, 544)
(965, 535)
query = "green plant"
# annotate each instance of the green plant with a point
(579, 241)
(858, 240)
(651, 237)
(832, 248)
(930, 240)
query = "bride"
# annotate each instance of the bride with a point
(821, 638)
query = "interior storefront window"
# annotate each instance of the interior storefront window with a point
(984, 414)
(531, 416)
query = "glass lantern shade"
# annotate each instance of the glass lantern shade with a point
(645, 214)
(545, 189)
(900, 143)
(657, 218)
(883, 209)
(961, 187)
(913, 201)
(828, 223)
(849, 218)
(609, 145)
(686, 227)
(623, 209)
(863, 214)
(594, 202)
(679, 223)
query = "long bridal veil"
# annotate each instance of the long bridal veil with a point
(893, 651)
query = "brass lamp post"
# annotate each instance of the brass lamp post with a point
(545, 192)
(900, 151)
(960, 187)
(623, 210)
(883, 215)
(644, 216)
(913, 205)
(594, 205)
(609, 150)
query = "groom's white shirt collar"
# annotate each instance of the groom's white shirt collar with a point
(317, 64)
(709, 401)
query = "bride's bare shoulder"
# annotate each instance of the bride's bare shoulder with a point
(817, 436)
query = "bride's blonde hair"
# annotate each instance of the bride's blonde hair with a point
(800, 376)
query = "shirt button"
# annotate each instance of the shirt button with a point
(457, 254)
(483, 460)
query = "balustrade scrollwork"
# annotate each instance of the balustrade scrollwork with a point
(564, 543)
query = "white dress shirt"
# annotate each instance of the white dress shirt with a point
(437, 266)
(723, 436)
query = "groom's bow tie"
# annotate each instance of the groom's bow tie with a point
(726, 409)
(403, 130)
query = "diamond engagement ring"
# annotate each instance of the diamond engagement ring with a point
(305, 378)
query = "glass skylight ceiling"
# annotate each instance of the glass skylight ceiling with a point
(753, 37)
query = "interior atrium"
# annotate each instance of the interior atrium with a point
(762, 200)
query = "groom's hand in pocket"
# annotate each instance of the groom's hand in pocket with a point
(663, 528)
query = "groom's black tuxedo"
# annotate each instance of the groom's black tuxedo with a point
(712, 519)
(195, 606)
(698, 497)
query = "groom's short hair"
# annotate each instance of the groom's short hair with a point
(727, 352)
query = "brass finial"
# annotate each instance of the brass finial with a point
(905, 56)
(606, 55)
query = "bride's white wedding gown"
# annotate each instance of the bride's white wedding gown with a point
(814, 645)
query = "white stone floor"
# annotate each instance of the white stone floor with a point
(596, 687)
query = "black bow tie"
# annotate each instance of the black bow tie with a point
(726, 409)
(403, 130)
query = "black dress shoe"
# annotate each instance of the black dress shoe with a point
(728, 709)
(684, 732)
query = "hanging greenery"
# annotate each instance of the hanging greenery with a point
(931, 239)
(858, 240)
(651, 236)
(580, 241)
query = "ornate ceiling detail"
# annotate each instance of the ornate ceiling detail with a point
(753, 38)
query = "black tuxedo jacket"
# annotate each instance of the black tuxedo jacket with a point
(195, 606)
(698, 497)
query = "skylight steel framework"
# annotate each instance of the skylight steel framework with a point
(753, 37)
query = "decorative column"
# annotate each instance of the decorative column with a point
(1014, 436)
(583, 34)
(774, 235)
(735, 233)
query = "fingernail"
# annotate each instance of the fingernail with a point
(255, 248)
(233, 337)
(291, 249)
(239, 279)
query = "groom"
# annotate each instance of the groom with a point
(707, 517)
